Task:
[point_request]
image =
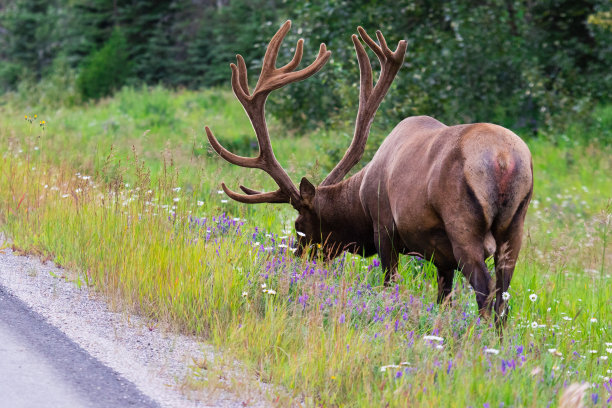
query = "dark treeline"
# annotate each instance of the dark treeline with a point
(519, 63)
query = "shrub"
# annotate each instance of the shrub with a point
(105, 70)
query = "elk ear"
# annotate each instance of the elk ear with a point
(307, 192)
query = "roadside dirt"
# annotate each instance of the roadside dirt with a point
(172, 369)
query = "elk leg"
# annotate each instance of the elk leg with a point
(445, 283)
(473, 267)
(508, 247)
(389, 257)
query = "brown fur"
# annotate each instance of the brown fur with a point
(434, 190)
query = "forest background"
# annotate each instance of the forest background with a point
(529, 65)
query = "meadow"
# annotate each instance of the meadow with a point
(126, 193)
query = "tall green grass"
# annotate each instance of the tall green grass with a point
(137, 224)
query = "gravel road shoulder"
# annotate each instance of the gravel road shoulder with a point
(155, 360)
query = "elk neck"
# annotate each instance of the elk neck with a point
(342, 217)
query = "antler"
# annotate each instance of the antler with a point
(369, 98)
(271, 78)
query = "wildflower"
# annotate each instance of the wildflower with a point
(245, 294)
(505, 296)
(385, 367)
(491, 351)
(270, 292)
(223, 201)
(593, 351)
(555, 352)
(176, 199)
(176, 189)
(609, 350)
(78, 190)
(200, 203)
(536, 371)
(433, 338)
(263, 285)
(301, 234)
(65, 195)
(567, 318)
(219, 191)
(593, 320)
(533, 297)
(534, 325)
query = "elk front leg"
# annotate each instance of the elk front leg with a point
(445, 283)
(389, 257)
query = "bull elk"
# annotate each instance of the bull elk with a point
(455, 194)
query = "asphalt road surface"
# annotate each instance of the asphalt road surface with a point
(41, 367)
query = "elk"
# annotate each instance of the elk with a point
(454, 194)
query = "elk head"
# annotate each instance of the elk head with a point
(454, 194)
(310, 227)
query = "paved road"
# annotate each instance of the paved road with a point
(41, 367)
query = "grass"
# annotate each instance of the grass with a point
(144, 224)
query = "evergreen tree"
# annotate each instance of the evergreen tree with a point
(106, 70)
(28, 41)
(89, 25)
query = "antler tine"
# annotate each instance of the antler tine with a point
(250, 162)
(269, 60)
(242, 74)
(277, 196)
(370, 96)
(312, 69)
(365, 70)
(297, 57)
(237, 84)
(372, 44)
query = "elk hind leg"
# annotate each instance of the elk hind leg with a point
(470, 257)
(508, 247)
